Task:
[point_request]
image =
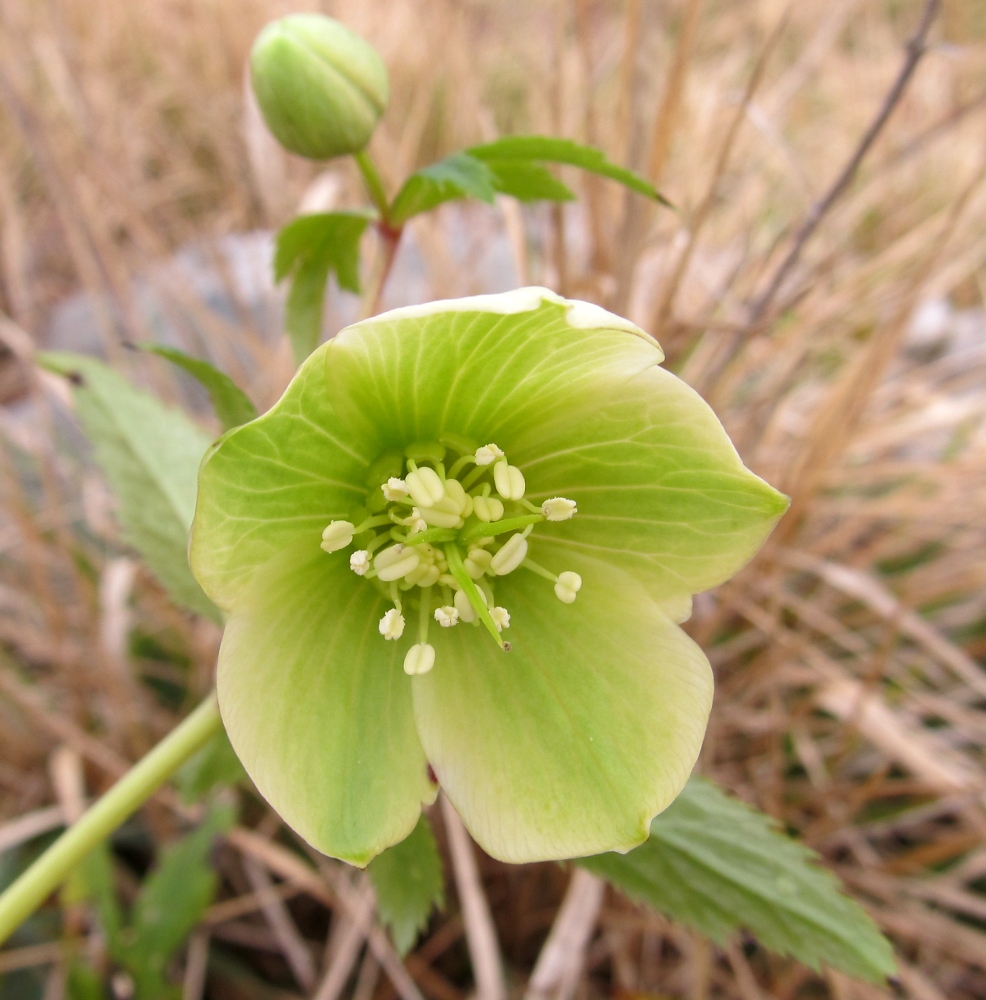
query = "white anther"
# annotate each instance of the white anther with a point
(420, 659)
(447, 616)
(488, 454)
(429, 577)
(338, 535)
(513, 553)
(443, 514)
(559, 509)
(477, 562)
(509, 481)
(457, 495)
(568, 585)
(487, 508)
(416, 521)
(359, 562)
(394, 489)
(395, 562)
(392, 624)
(467, 613)
(501, 618)
(425, 487)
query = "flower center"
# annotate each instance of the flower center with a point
(442, 521)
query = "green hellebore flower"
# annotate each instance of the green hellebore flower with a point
(435, 480)
(321, 88)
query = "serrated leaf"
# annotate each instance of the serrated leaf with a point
(457, 176)
(310, 248)
(545, 149)
(231, 403)
(174, 896)
(714, 864)
(214, 766)
(150, 455)
(409, 882)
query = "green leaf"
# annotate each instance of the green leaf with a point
(175, 895)
(457, 176)
(150, 454)
(716, 865)
(231, 403)
(94, 881)
(83, 983)
(528, 181)
(214, 766)
(544, 149)
(409, 882)
(310, 248)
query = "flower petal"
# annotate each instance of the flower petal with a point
(660, 488)
(318, 707)
(569, 744)
(272, 482)
(487, 367)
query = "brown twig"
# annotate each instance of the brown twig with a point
(915, 50)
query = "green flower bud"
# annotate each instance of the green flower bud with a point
(321, 88)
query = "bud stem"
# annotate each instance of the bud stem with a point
(374, 185)
(31, 889)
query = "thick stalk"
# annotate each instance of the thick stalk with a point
(34, 886)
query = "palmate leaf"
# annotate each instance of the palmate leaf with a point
(310, 248)
(716, 865)
(231, 403)
(150, 454)
(512, 166)
(409, 883)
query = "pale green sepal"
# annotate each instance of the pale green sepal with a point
(492, 368)
(275, 481)
(660, 488)
(574, 740)
(318, 707)
(150, 454)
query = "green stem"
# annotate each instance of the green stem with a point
(31, 889)
(491, 528)
(465, 581)
(374, 185)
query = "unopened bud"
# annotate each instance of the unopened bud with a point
(321, 88)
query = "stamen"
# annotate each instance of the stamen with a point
(392, 624)
(458, 496)
(395, 562)
(419, 660)
(394, 489)
(425, 487)
(501, 617)
(568, 585)
(512, 554)
(509, 481)
(487, 508)
(477, 562)
(488, 454)
(559, 509)
(443, 514)
(447, 616)
(467, 612)
(359, 562)
(338, 535)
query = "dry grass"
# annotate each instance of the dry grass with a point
(850, 692)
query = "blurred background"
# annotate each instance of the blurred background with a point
(822, 281)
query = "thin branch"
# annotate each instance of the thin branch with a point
(350, 941)
(916, 48)
(484, 950)
(556, 974)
